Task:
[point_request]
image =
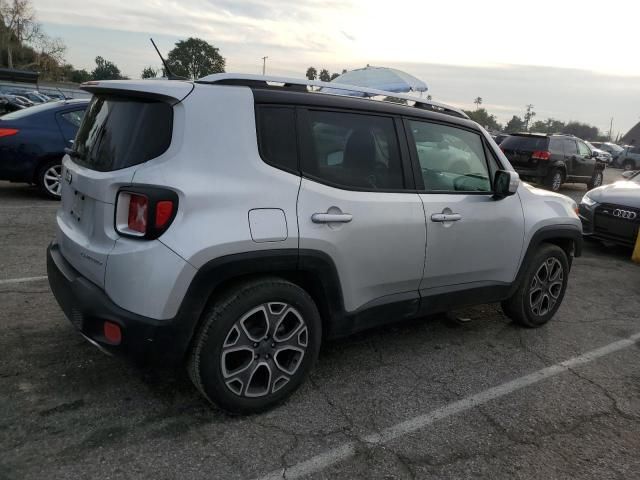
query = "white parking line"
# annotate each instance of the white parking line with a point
(347, 450)
(10, 281)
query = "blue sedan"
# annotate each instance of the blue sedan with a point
(32, 143)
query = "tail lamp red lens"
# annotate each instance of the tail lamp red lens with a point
(7, 132)
(112, 333)
(541, 155)
(138, 213)
(164, 212)
(144, 211)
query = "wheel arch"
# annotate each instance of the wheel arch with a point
(311, 270)
(567, 237)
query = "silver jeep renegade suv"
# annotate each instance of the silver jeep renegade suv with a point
(234, 223)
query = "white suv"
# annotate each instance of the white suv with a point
(235, 222)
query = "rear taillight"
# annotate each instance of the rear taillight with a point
(7, 132)
(541, 155)
(145, 212)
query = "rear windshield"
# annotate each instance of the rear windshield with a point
(119, 132)
(529, 144)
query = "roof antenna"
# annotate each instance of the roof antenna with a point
(170, 74)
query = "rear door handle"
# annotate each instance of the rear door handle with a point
(446, 217)
(331, 217)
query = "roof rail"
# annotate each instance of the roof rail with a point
(261, 81)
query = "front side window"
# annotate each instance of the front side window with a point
(583, 149)
(353, 150)
(451, 159)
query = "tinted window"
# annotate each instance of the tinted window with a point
(74, 118)
(120, 132)
(583, 149)
(570, 147)
(555, 146)
(353, 150)
(528, 144)
(451, 159)
(277, 137)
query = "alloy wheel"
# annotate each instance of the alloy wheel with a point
(546, 286)
(264, 349)
(51, 180)
(557, 181)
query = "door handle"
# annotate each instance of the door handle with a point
(331, 217)
(446, 217)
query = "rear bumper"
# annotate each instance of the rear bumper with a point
(87, 307)
(537, 173)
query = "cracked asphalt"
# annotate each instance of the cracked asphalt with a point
(68, 411)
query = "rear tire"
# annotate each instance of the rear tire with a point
(554, 179)
(541, 289)
(596, 180)
(49, 179)
(257, 344)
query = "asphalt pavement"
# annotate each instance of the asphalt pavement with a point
(429, 398)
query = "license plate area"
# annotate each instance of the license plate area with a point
(77, 206)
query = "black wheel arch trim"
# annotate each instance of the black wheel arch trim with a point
(556, 234)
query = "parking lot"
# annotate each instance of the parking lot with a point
(432, 398)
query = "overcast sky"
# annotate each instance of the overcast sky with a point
(573, 60)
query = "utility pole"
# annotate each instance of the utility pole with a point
(264, 65)
(611, 129)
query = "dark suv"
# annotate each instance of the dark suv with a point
(553, 159)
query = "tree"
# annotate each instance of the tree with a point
(582, 130)
(149, 72)
(80, 76)
(312, 73)
(516, 124)
(478, 102)
(429, 97)
(325, 76)
(550, 125)
(20, 26)
(105, 70)
(484, 118)
(334, 76)
(194, 58)
(529, 114)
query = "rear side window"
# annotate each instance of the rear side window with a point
(555, 146)
(570, 147)
(353, 150)
(527, 144)
(277, 137)
(74, 117)
(119, 132)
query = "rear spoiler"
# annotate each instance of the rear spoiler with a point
(172, 91)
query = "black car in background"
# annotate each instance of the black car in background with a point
(32, 143)
(552, 160)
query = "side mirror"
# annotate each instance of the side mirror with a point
(505, 183)
(628, 174)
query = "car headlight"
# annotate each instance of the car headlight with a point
(588, 201)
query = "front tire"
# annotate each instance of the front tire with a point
(257, 344)
(554, 180)
(628, 165)
(596, 180)
(541, 289)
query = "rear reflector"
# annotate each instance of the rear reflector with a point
(138, 211)
(541, 155)
(112, 333)
(7, 132)
(164, 212)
